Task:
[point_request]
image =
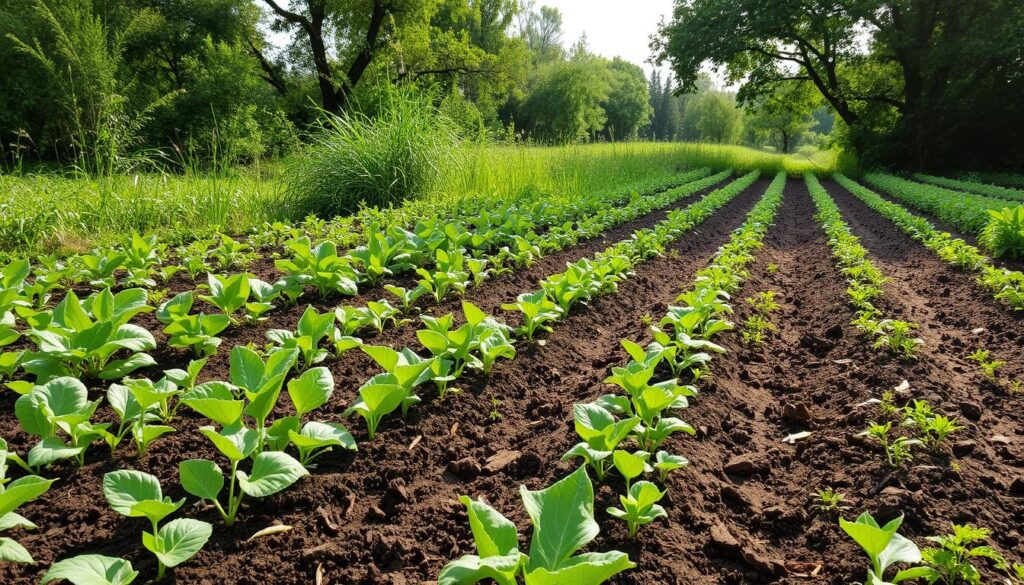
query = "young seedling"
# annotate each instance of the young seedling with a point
(138, 495)
(934, 428)
(950, 561)
(884, 547)
(898, 450)
(988, 366)
(272, 471)
(666, 463)
(563, 522)
(639, 506)
(828, 501)
(600, 434)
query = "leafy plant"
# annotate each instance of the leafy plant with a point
(885, 547)
(537, 309)
(934, 428)
(92, 570)
(406, 297)
(988, 366)
(896, 336)
(898, 450)
(649, 402)
(197, 332)
(12, 495)
(138, 495)
(83, 338)
(313, 328)
(383, 393)
(950, 561)
(828, 501)
(1003, 235)
(601, 435)
(465, 345)
(59, 406)
(272, 471)
(639, 506)
(665, 463)
(228, 293)
(563, 522)
(320, 266)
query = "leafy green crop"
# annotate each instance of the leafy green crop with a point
(884, 547)
(57, 409)
(313, 328)
(563, 522)
(320, 266)
(601, 435)
(272, 471)
(227, 293)
(537, 309)
(12, 495)
(138, 495)
(83, 338)
(639, 506)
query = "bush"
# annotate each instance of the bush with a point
(355, 159)
(1003, 236)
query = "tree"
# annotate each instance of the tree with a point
(890, 69)
(564, 101)
(626, 108)
(542, 31)
(784, 115)
(359, 25)
(712, 117)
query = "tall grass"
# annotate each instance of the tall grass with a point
(53, 213)
(400, 153)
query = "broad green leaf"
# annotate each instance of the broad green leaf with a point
(201, 478)
(235, 443)
(628, 464)
(91, 570)
(247, 368)
(136, 494)
(311, 390)
(474, 315)
(118, 369)
(472, 569)
(589, 568)
(215, 401)
(12, 552)
(50, 450)
(22, 490)
(315, 435)
(563, 519)
(178, 540)
(494, 534)
(272, 471)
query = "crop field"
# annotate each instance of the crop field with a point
(709, 375)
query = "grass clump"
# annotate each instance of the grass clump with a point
(400, 152)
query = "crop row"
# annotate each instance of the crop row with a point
(998, 224)
(864, 279)
(1006, 285)
(973, 187)
(638, 413)
(142, 261)
(59, 411)
(457, 263)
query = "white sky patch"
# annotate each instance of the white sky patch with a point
(615, 28)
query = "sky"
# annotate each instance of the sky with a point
(615, 28)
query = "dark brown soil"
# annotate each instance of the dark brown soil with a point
(389, 514)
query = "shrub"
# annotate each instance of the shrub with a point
(356, 159)
(1003, 236)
